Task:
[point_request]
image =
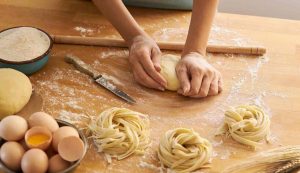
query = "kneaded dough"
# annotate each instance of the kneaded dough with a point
(246, 124)
(183, 150)
(168, 64)
(120, 132)
(15, 91)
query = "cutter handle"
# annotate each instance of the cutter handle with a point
(81, 66)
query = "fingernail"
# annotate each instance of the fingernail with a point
(184, 90)
(161, 88)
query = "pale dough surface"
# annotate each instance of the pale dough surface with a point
(120, 132)
(247, 124)
(168, 64)
(15, 91)
(183, 150)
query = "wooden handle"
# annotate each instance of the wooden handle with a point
(81, 66)
(96, 41)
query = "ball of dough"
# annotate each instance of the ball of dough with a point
(15, 91)
(168, 64)
(183, 150)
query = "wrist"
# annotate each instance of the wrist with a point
(193, 53)
(135, 37)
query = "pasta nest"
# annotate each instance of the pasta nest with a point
(183, 150)
(120, 132)
(246, 124)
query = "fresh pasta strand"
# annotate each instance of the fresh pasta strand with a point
(246, 124)
(183, 150)
(120, 132)
(278, 160)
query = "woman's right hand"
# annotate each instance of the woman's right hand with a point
(144, 57)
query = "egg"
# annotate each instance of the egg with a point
(34, 161)
(71, 148)
(43, 119)
(38, 137)
(56, 164)
(13, 128)
(11, 154)
(61, 133)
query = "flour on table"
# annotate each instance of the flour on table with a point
(22, 44)
(84, 31)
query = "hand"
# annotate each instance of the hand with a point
(144, 57)
(197, 77)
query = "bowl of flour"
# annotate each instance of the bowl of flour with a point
(24, 48)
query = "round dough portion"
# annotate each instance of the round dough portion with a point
(168, 64)
(120, 132)
(15, 91)
(183, 150)
(246, 124)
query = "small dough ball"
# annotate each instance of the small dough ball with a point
(15, 91)
(168, 64)
(57, 164)
(11, 154)
(13, 128)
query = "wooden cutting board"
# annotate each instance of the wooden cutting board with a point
(272, 81)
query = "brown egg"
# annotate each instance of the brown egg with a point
(61, 133)
(43, 119)
(56, 164)
(71, 148)
(34, 161)
(38, 137)
(11, 154)
(13, 128)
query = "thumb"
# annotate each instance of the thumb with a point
(155, 56)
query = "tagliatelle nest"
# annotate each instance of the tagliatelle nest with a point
(183, 150)
(120, 132)
(246, 124)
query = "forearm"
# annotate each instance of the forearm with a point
(201, 22)
(116, 12)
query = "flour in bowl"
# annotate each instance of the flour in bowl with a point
(22, 44)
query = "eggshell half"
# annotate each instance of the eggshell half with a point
(71, 148)
(61, 133)
(38, 130)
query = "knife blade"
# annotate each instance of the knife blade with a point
(99, 79)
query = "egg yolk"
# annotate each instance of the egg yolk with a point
(37, 139)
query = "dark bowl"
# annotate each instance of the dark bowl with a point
(74, 164)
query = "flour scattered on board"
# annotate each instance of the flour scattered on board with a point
(84, 31)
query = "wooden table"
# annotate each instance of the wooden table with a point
(271, 81)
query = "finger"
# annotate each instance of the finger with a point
(143, 78)
(147, 64)
(220, 84)
(205, 85)
(156, 59)
(197, 77)
(184, 80)
(214, 86)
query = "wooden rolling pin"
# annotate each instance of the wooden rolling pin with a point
(96, 41)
